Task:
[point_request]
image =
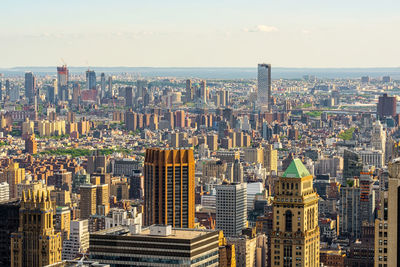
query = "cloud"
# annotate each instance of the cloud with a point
(262, 28)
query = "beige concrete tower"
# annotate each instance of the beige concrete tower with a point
(295, 237)
(35, 243)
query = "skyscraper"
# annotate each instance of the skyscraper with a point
(51, 94)
(352, 165)
(88, 200)
(102, 85)
(295, 236)
(110, 86)
(386, 106)
(231, 212)
(169, 187)
(129, 96)
(270, 159)
(76, 94)
(189, 91)
(91, 80)
(393, 239)
(30, 87)
(62, 83)
(36, 243)
(203, 92)
(264, 85)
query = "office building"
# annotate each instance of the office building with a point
(4, 191)
(386, 106)
(237, 172)
(295, 239)
(36, 243)
(78, 242)
(76, 94)
(102, 85)
(62, 220)
(264, 85)
(51, 94)
(62, 83)
(352, 165)
(231, 212)
(97, 163)
(9, 214)
(155, 246)
(189, 91)
(31, 144)
(129, 97)
(169, 187)
(30, 87)
(203, 92)
(378, 136)
(212, 142)
(381, 231)
(102, 199)
(393, 239)
(350, 215)
(90, 80)
(88, 201)
(270, 159)
(13, 175)
(131, 120)
(125, 166)
(253, 189)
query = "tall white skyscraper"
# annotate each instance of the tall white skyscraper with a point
(264, 85)
(231, 214)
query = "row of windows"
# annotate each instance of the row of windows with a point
(158, 260)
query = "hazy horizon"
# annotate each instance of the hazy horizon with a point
(176, 33)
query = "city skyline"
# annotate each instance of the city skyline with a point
(234, 33)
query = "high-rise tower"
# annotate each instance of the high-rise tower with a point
(231, 212)
(91, 80)
(169, 187)
(62, 83)
(30, 87)
(264, 85)
(295, 236)
(35, 243)
(102, 85)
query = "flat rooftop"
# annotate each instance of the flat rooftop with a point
(177, 233)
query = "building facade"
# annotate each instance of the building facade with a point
(169, 187)
(295, 239)
(231, 212)
(35, 243)
(155, 246)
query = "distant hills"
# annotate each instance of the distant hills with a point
(219, 73)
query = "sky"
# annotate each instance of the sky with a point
(202, 33)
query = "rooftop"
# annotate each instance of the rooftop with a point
(296, 169)
(177, 233)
